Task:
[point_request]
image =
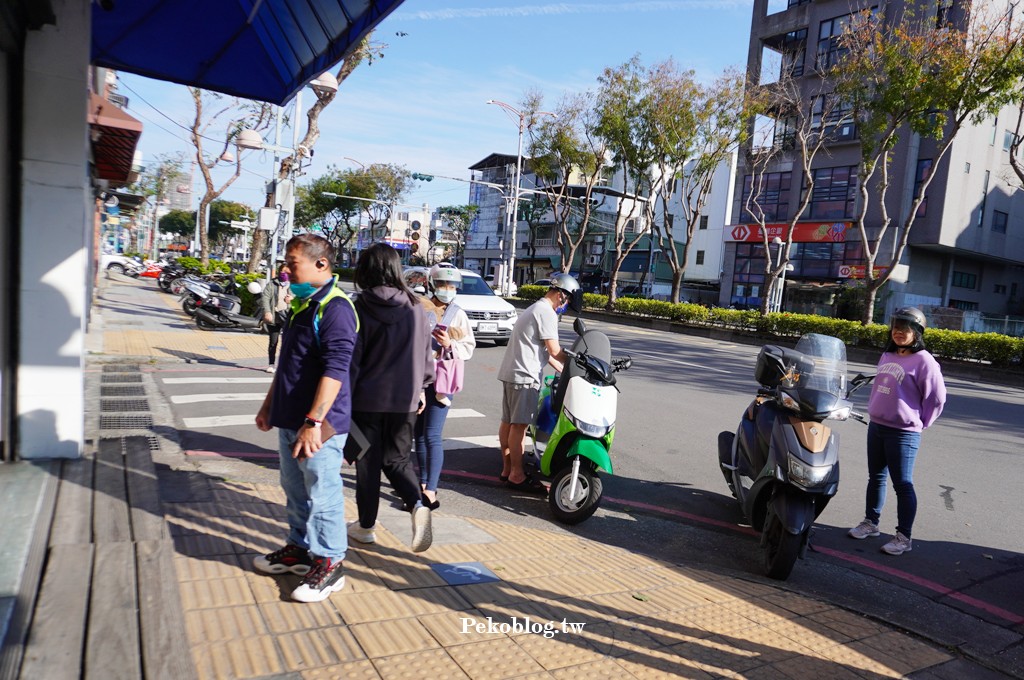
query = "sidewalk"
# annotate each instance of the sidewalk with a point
(488, 600)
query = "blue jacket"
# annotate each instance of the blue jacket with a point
(304, 361)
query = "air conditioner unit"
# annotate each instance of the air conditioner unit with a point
(593, 259)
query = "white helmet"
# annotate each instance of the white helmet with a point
(446, 273)
(254, 287)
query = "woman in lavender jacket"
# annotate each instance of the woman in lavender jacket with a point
(907, 396)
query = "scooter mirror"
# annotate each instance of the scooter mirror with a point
(579, 326)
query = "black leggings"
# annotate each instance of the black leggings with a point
(390, 438)
(275, 335)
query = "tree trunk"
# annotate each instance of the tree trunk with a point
(870, 293)
(677, 284)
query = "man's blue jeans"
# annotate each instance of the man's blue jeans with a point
(429, 447)
(892, 452)
(315, 496)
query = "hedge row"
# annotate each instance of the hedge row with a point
(993, 348)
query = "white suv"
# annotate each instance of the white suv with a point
(491, 317)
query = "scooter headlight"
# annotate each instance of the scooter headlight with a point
(789, 402)
(840, 413)
(589, 429)
(807, 476)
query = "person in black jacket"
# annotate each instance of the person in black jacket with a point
(391, 368)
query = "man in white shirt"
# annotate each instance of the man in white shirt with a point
(533, 344)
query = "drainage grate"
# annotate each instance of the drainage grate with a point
(122, 405)
(120, 368)
(125, 422)
(122, 390)
(119, 378)
(154, 443)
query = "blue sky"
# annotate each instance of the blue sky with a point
(423, 104)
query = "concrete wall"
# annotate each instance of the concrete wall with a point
(56, 221)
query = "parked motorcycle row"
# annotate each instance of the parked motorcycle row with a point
(781, 464)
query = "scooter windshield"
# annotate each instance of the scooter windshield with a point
(828, 373)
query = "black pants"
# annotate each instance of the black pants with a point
(390, 439)
(275, 336)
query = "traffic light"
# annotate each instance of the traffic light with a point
(422, 177)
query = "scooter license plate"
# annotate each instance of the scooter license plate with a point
(487, 327)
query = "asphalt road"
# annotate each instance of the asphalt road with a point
(961, 585)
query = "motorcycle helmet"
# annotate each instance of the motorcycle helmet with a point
(571, 287)
(254, 287)
(917, 321)
(444, 273)
(912, 315)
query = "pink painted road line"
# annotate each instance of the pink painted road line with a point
(1006, 615)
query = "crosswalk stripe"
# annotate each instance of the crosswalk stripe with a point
(249, 418)
(489, 441)
(221, 421)
(235, 396)
(215, 381)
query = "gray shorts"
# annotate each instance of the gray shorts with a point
(519, 403)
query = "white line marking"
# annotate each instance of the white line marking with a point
(234, 396)
(489, 441)
(221, 421)
(215, 381)
(464, 413)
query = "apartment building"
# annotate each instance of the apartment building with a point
(966, 249)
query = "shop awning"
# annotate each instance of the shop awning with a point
(257, 49)
(114, 137)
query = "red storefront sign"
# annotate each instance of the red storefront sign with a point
(859, 271)
(803, 232)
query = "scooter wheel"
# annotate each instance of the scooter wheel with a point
(189, 306)
(580, 507)
(204, 325)
(781, 548)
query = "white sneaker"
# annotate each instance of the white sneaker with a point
(270, 369)
(422, 534)
(358, 533)
(898, 545)
(863, 530)
(443, 400)
(324, 578)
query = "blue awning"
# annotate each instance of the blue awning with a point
(258, 49)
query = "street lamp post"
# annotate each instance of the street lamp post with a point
(512, 216)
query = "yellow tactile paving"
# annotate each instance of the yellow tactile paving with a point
(191, 344)
(717, 656)
(798, 604)
(195, 568)
(251, 657)
(494, 660)
(457, 628)
(658, 664)
(905, 649)
(354, 670)
(605, 669)
(852, 625)
(398, 636)
(618, 638)
(426, 665)
(224, 623)
(815, 668)
(290, 617)
(316, 648)
(558, 651)
(215, 592)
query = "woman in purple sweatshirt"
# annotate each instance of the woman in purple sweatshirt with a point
(907, 396)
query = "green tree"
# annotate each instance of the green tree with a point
(457, 220)
(222, 234)
(906, 75)
(570, 161)
(337, 218)
(390, 182)
(179, 222)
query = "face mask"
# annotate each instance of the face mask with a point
(303, 290)
(283, 277)
(445, 295)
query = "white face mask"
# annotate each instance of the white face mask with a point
(445, 295)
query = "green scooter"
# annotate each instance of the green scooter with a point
(575, 425)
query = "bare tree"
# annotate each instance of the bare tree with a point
(914, 74)
(367, 51)
(238, 114)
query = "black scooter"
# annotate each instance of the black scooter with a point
(214, 314)
(782, 464)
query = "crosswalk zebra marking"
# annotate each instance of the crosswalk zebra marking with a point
(250, 419)
(234, 396)
(216, 381)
